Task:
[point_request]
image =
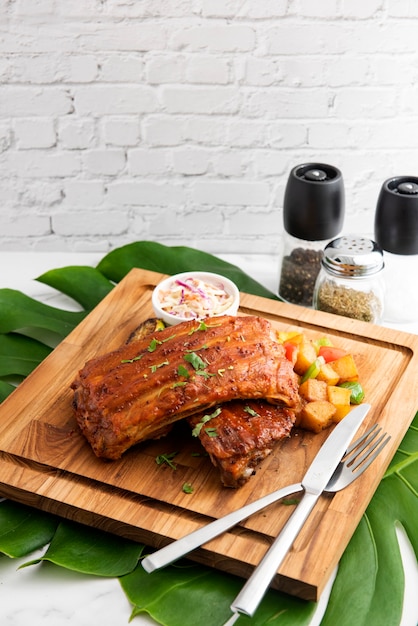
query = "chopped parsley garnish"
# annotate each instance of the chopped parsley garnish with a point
(211, 432)
(203, 326)
(154, 368)
(205, 419)
(195, 360)
(205, 375)
(289, 501)
(187, 488)
(136, 358)
(182, 371)
(250, 411)
(153, 345)
(166, 458)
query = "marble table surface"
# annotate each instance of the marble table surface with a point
(52, 596)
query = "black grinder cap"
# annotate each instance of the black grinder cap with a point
(396, 217)
(314, 202)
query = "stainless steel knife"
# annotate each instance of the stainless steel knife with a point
(314, 483)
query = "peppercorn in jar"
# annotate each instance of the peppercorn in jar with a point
(313, 213)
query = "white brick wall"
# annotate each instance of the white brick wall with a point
(179, 120)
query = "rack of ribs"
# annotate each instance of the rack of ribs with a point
(138, 391)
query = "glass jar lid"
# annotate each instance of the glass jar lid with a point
(353, 256)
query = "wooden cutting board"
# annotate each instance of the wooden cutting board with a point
(45, 462)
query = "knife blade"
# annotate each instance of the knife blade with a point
(313, 483)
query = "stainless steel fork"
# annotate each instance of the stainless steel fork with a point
(356, 460)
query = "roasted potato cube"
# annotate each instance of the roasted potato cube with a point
(328, 374)
(341, 410)
(338, 395)
(292, 335)
(345, 367)
(317, 415)
(306, 356)
(314, 389)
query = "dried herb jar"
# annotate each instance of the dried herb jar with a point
(350, 282)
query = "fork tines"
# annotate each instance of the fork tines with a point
(370, 444)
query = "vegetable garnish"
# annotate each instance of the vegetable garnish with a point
(154, 368)
(156, 342)
(187, 488)
(251, 411)
(289, 501)
(153, 345)
(205, 419)
(202, 326)
(205, 374)
(211, 432)
(166, 458)
(183, 371)
(195, 360)
(179, 384)
(313, 369)
(136, 358)
(357, 391)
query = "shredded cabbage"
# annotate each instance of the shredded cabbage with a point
(193, 298)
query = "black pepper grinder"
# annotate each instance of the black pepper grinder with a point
(313, 215)
(396, 231)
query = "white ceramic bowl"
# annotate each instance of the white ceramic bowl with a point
(170, 284)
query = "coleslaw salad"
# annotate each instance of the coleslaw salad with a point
(195, 296)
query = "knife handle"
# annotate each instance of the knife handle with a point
(256, 586)
(186, 544)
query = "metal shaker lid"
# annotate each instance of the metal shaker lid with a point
(353, 256)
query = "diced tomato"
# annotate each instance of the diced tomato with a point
(330, 353)
(291, 351)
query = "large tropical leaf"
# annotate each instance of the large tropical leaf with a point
(194, 594)
(368, 588)
(84, 284)
(91, 551)
(171, 260)
(19, 355)
(19, 312)
(5, 389)
(23, 530)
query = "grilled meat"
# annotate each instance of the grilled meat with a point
(238, 435)
(136, 392)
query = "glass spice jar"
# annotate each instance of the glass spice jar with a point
(350, 282)
(313, 214)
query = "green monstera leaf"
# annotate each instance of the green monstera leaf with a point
(188, 593)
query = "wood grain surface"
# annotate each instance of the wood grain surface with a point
(45, 462)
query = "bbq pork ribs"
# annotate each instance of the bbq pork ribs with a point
(138, 391)
(239, 434)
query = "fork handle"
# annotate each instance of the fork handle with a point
(186, 544)
(256, 586)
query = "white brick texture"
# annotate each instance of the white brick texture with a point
(180, 120)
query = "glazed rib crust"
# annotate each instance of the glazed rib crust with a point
(136, 392)
(240, 435)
